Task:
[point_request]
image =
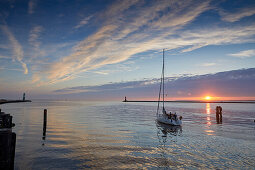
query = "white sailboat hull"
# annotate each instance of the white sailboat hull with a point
(164, 119)
(171, 119)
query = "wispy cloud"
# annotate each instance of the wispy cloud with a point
(14, 69)
(83, 22)
(31, 6)
(244, 54)
(34, 37)
(120, 37)
(4, 57)
(100, 72)
(16, 47)
(216, 36)
(237, 15)
(208, 64)
(131, 27)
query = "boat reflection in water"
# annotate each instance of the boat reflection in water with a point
(165, 130)
(167, 136)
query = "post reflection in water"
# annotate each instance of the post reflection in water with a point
(167, 133)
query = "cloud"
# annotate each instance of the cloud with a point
(132, 27)
(208, 64)
(16, 48)
(34, 37)
(120, 36)
(100, 72)
(216, 36)
(31, 6)
(4, 57)
(83, 22)
(34, 34)
(14, 69)
(244, 54)
(229, 83)
(237, 15)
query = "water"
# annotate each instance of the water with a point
(114, 135)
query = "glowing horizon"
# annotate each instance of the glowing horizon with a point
(199, 98)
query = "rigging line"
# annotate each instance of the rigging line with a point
(159, 91)
(163, 78)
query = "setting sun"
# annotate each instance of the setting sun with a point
(208, 97)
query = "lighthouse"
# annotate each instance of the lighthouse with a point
(24, 96)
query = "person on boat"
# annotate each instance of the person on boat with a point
(170, 115)
(175, 116)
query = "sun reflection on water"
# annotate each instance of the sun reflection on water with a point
(208, 118)
(208, 112)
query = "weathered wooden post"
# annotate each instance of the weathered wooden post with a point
(44, 123)
(7, 141)
(220, 108)
(219, 114)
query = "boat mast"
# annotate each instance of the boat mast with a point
(163, 77)
(161, 84)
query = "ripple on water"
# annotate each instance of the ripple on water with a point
(124, 135)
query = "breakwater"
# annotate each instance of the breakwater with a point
(187, 101)
(3, 101)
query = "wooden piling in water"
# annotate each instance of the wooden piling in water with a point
(219, 114)
(13, 146)
(7, 142)
(44, 123)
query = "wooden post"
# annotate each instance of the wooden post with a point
(7, 141)
(13, 145)
(7, 149)
(219, 114)
(44, 123)
(220, 108)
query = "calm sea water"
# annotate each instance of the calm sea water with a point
(115, 135)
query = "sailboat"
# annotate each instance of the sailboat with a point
(164, 117)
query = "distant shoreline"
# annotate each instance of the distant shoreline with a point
(3, 101)
(185, 101)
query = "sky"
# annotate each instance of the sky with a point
(106, 49)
